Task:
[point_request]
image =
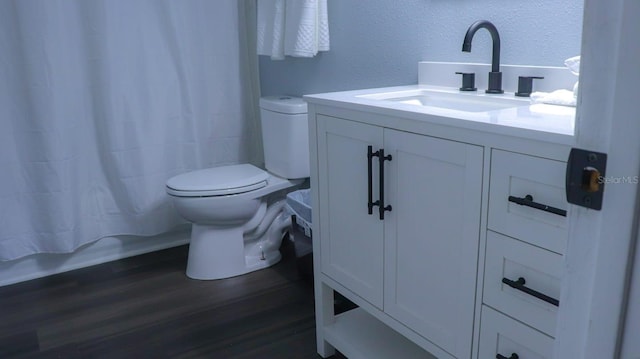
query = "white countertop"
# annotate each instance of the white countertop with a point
(549, 123)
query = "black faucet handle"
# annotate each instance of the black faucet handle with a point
(468, 81)
(525, 85)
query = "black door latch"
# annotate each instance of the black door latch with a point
(585, 178)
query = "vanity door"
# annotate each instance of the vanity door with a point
(432, 236)
(351, 239)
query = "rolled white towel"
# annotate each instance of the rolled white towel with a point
(558, 97)
(573, 64)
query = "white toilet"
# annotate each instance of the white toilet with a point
(236, 210)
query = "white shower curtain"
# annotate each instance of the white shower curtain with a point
(101, 101)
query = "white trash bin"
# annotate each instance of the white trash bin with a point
(299, 207)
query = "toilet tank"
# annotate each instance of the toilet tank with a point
(285, 136)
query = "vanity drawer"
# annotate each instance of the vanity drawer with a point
(507, 260)
(533, 181)
(501, 335)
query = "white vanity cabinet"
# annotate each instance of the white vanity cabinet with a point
(418, 265)
(474, 202)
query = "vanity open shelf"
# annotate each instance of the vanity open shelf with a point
(358, 334)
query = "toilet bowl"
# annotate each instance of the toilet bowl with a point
(237, 210)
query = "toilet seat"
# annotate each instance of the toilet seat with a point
(218, 181)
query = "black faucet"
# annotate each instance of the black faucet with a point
(495, 76)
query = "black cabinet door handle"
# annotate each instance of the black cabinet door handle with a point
(381, 158)
(370, 156)
(513, 356)
(528, 201)
(520, 285)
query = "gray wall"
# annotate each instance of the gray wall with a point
(377, 43)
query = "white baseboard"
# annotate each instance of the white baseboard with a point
(102, 251)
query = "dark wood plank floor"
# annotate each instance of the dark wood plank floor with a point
(145, 307)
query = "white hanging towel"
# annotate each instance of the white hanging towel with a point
(323, 26)
(271, 21)
(297, 28)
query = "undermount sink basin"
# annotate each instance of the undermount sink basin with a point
(458, 101)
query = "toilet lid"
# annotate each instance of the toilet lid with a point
(218, 181)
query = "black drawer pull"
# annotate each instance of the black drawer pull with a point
(513, 356)
(370, 155)
(528, 201)
(381, 207)
(380, 203)
(520, 285)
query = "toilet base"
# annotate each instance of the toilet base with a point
(221, 252)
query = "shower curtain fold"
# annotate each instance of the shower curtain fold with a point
(101, 102)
